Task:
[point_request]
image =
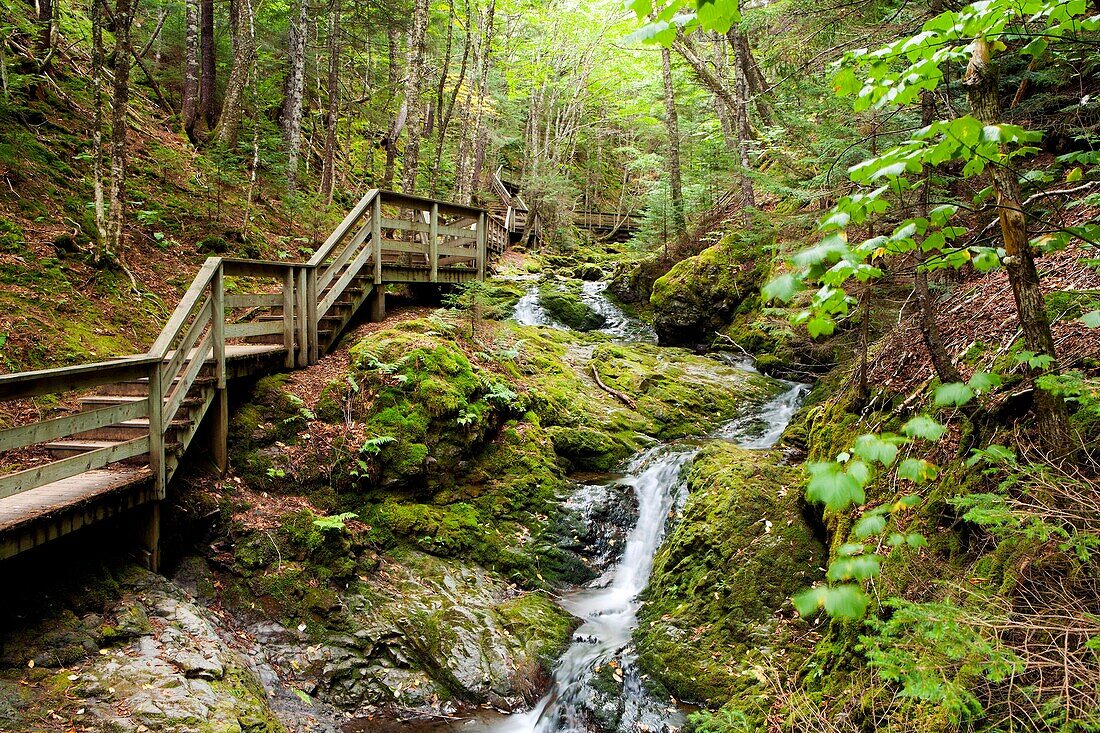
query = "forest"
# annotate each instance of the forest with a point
(549, 366)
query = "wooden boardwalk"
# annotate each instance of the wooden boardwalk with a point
(139, 415)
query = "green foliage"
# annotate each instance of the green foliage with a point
(334, 523)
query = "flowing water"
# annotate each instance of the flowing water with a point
(608, 607)
(617, 324)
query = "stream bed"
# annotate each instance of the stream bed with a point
(608, 606)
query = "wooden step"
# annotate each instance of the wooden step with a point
(130, 429)
(93, 402)
(277, 338)
(140, 387)
(67, 448)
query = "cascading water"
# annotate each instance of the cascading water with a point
(608, 607)
(529, 312)
(617, 324)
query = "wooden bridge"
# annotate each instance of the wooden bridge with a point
(614, 226)
(137, 416)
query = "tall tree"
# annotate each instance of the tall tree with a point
(332, 113)
(122, 20)
(295, 89)
(676, 189)
(1019, 262)
(243, 26)
(414, 76)
(209, 62)
(389, 140)
(190, 102)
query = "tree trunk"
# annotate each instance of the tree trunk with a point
(190, 103)
(741, 119)
(209, 84)
(120, 110)
(244, 55)
(100, 253)
(414, 74)
(676, 190)
(1019, 262)
(941, 361)
(295, 87)
(45, 33)
(328, 168)
(389, 140)
(480, 133)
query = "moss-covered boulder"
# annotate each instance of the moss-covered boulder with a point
(564, 304)
(719, 596)
(677, 393)
(701, 294)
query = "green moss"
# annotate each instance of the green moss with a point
(563, 303)
(542, 625)
(589, 449)
(701, 294)
(719, 596)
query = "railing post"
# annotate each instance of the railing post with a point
(156, 428)
(302, 310)
(376, 237)
(219, 434)
(433, 243)
(288, 317)
(312, 319)
(482, 235)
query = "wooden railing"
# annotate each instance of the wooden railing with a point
(515, 210)
(231, 300)
(604, 220)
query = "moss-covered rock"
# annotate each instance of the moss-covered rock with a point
(701, 294)
(718, 600)
(677, 393)
(563, 303)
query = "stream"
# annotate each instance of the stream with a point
(609, 605)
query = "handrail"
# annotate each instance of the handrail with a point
(196, 331)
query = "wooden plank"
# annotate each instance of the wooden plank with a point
(186, 306)
(171, 369)
(334, 293)
(470, 252)
(288, 318)
(313, 336)
(330, 270)
(344, 227)
(482, 242)
(253, 300)
(81, 376)
(433, 242)
(397, 245)
(217, 329)
(31, 478)
(253, 328)
(376, 237)
(391, 198)
(157, 427)
(60, 427)
(236, 267)
(187, 378)
(415, 226)
(300, 307)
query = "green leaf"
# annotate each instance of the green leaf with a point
(782, 288)
(984, 381)
(820, 326)
(847, 601)
(1091, 319)
(874, 448)
(860, 567)
(833, 487)
(869, 525)
(923, 427)
(954, 393)
(917, 470)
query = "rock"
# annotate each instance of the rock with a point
(722, 581)
(701, 294)
(563, 303)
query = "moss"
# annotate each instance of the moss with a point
(677, 393)
(701, 294)
(719, 596)
(589, 449)
(563, 303)
(543, 626)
